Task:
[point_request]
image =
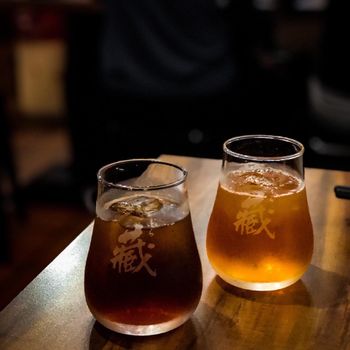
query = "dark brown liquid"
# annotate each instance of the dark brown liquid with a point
(143, 276)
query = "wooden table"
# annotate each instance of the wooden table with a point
(314, 313)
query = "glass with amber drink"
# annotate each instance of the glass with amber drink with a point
(260, 234)
(143, 273)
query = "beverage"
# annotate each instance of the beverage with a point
(260, 234)
(143, 271)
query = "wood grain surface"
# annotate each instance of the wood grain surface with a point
(314, 313)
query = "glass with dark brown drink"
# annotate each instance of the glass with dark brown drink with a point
(260, 234)
(143, 273)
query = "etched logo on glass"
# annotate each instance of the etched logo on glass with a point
(132, 255)
(253, 218)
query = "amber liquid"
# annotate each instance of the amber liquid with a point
(260, 234)
(153, 278)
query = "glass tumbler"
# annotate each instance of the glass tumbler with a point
(143, 273)
(260, 234)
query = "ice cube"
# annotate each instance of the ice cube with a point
(141, 206)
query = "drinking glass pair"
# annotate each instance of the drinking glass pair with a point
(143, 272)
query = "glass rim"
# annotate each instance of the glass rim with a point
(120, 186)
(289, 140)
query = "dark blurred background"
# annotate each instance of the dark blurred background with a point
(84, 83)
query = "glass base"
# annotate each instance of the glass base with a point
(143, 330)
(260, 286)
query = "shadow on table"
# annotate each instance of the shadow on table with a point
(318, 288)
(187, 336)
